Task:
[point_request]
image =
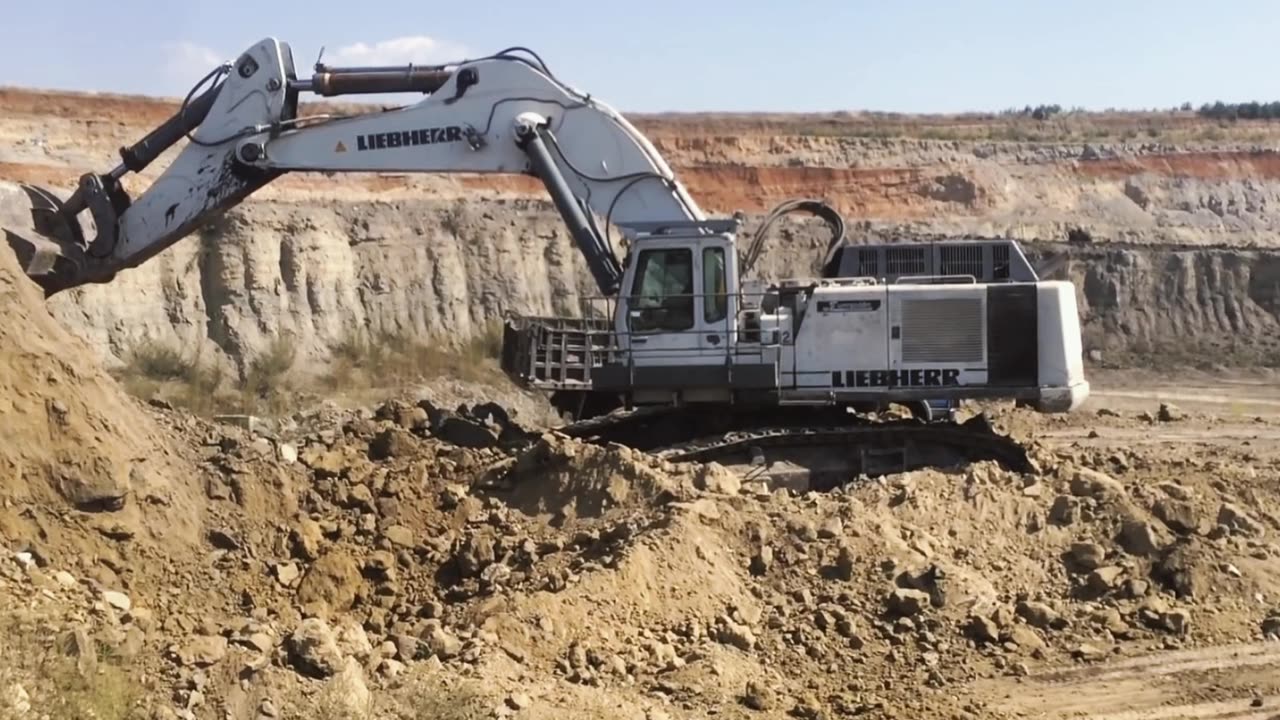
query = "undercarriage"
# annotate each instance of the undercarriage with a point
(802, 448)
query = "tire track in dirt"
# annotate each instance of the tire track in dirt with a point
(1175, 396)
(1241, 682)
(1164, 436)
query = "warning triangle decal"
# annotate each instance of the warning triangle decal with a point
(340, 147)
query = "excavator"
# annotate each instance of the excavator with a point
(683, 351)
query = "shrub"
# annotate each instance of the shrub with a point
(266, 381)
(155, 370)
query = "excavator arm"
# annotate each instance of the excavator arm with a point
(500, 114)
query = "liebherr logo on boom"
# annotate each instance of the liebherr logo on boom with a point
(409, 138)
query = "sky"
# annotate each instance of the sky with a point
(710, 55)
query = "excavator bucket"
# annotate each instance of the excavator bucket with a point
(49, 247)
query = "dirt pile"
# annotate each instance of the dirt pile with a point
(72, 438)
(410, 561)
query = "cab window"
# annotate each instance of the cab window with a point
(662, 293)
(715, 300)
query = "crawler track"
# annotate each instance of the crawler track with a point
(858, 445)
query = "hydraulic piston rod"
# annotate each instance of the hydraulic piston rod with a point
(600, 258)
(369, 80)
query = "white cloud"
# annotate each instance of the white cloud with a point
(416, 49)
(187, 62)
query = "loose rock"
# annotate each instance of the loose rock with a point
(314, 650)
(349, 693)
(203, 651)
(334, 580)
(907, 603)
(716, 478)
(1179, 515)
(1040, 615)
(1086, 556)
(1104, 579)
(983, 629)
(758, 696)
(1237, 520)
(117, 600)
(1091, 483)
(1271, 625)
(1139, 538)
(441, 642)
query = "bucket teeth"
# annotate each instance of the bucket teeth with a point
(48, 246)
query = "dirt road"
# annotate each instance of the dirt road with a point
(1241, 682)
(1225, 394)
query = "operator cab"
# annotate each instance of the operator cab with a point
(675, 308)
(675, 319)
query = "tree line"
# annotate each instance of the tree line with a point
(1253, 110)
(1219, 110)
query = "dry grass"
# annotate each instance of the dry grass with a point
(433, 699)
(270, 385)
(155, 370)
(267, 385)
(34, 659)
(365, 360)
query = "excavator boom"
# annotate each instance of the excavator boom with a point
(500, 114)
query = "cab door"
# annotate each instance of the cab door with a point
(677, 308)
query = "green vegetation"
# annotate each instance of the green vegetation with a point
(1039, 112)
(1252, 110)
(155, 370)
(1041, 123)
(266, 384)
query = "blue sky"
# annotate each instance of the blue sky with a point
(803, 55)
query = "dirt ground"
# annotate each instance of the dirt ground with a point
(400, 569)
(1236, 415)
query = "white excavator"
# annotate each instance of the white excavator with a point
(679, 329)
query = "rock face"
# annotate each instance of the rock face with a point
(423, 269)
(1175, 305)
(443, 260)
(444, 270)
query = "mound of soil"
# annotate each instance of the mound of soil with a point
(72, 438)
(405, 562)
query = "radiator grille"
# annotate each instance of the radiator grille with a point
(962, 260)
(907, 260)
(868, 263)
(942, 330)
(1000, 262)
